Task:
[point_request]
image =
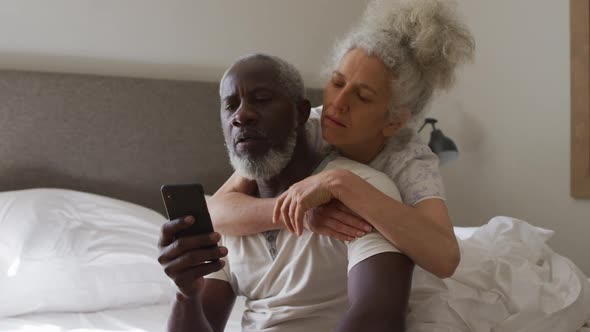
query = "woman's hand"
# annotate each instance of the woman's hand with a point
(301, 197)
(309, 195)
(336, 220)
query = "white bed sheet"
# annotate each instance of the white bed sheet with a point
(153, 318)
(140, 319)
(143, 319)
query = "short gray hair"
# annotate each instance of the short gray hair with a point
(420, 41)
(289, 76)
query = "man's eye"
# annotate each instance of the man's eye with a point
(262, 99)
(230, 107)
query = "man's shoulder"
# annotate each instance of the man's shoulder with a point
(316, 112)
(374, 177)
(360, 169)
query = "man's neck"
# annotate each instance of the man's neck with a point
(302, 164)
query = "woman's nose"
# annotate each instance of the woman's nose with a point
(341, 101)
(244, 116)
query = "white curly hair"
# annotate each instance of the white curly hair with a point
(420, 41)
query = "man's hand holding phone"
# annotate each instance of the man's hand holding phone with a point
(187, 259)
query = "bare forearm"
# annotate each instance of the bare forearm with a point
(237, 214)
(378, 294)
(188, 316)
(429, 244)
(358, 319)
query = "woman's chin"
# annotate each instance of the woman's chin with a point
(327, 137)
(332, 140)
(330, 136)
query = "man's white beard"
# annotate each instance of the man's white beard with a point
(267, 166)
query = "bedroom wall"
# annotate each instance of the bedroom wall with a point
(510, 116)
(177, 39)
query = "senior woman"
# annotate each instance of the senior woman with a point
(383, 74)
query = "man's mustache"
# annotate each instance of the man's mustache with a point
(250, 133)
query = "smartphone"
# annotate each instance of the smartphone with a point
(183, 200)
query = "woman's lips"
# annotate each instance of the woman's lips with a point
(334, 121)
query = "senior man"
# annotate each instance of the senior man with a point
(291, 283)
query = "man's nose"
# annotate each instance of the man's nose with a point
(244, 116)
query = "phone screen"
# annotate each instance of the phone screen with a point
(188, 200)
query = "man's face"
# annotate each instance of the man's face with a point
(258, 119)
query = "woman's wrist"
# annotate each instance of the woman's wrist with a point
(336, 181)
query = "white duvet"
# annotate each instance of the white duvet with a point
(508, 280)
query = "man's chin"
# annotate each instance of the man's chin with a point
(252, 148)
(262, 167)
(250, 155)
(260, 161)
(249, 168)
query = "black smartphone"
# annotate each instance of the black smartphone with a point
(187, 200)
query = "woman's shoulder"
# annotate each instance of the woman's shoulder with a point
(414, 168)
(398, 154)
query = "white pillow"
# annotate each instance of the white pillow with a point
(62, 250)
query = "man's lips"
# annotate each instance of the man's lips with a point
(336, 122)
(247, 135)
(248, 140)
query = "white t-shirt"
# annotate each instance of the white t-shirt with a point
(411, 165)
(293, 283)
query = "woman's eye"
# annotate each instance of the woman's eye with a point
(364, 100)
(337, 84)
(230, 107)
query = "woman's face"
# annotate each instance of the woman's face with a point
(356, 103)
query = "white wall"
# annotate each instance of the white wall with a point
(181, 39)
(509, 112)
(510, 116)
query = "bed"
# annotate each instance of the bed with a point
(81, 162)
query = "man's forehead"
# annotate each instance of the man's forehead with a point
(252, 75)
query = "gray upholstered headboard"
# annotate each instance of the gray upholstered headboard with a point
(120, 137)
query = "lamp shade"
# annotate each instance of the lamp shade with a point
(443, 147)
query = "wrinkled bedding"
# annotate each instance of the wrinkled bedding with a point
(509, 279)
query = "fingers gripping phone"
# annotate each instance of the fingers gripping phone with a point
(187, 200)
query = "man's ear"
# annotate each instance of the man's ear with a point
(303, 111)
(397, 122)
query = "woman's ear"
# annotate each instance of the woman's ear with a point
(397, 122)
(303, 111)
